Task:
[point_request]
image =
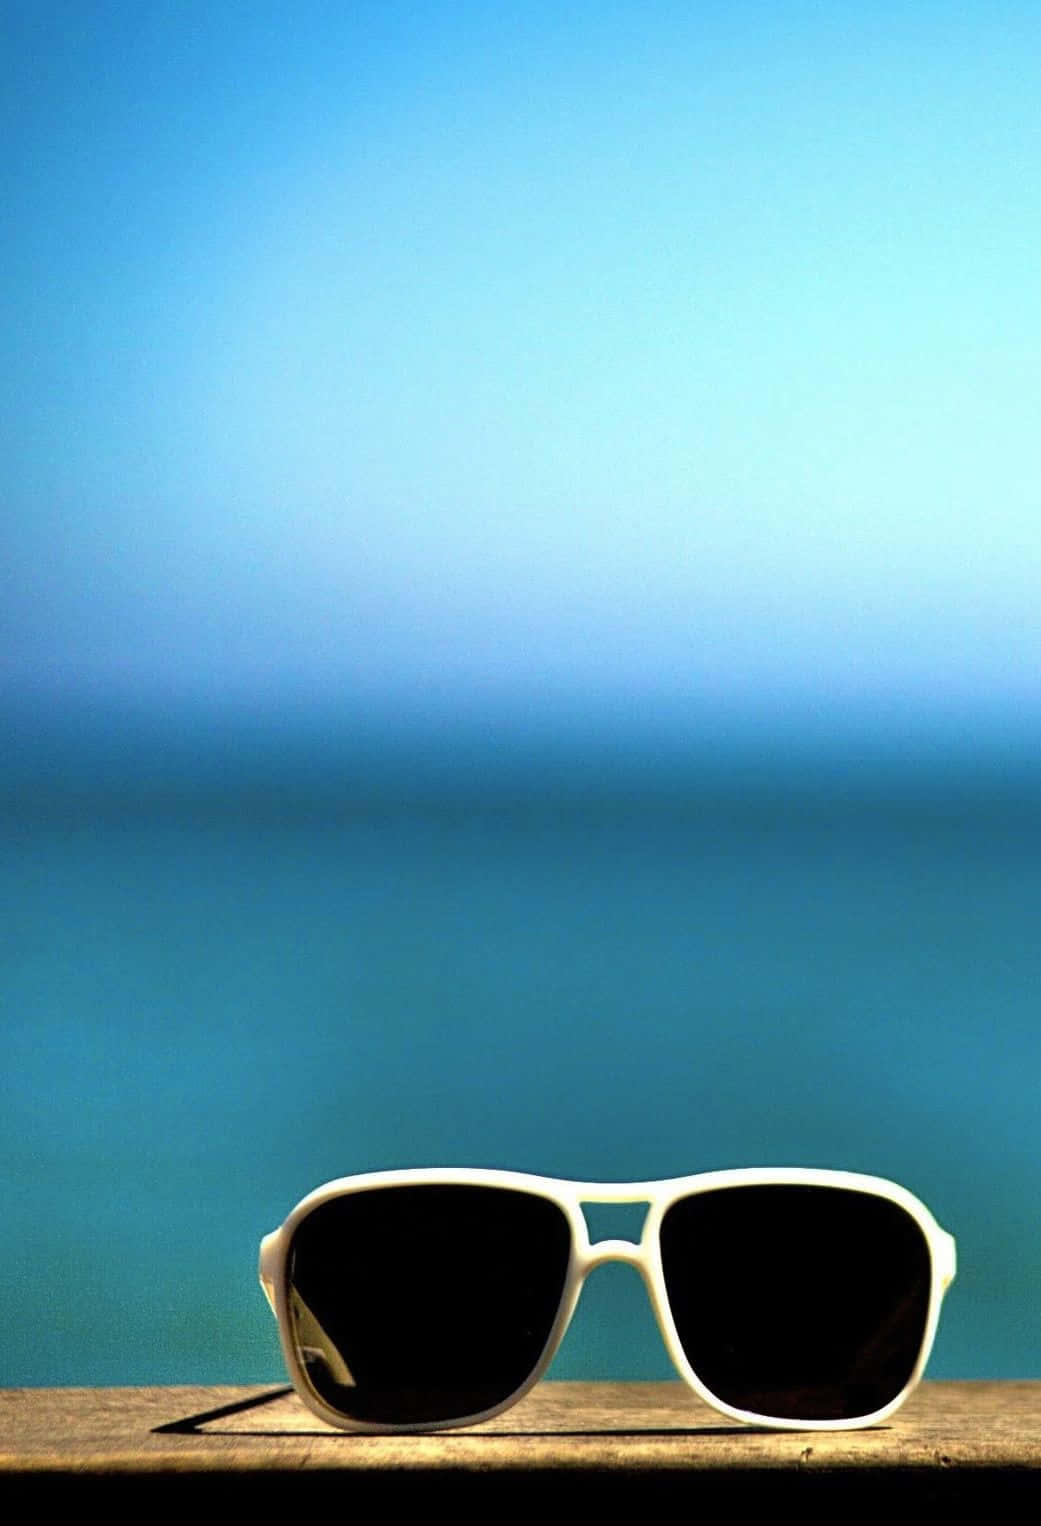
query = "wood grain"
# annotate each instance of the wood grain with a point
(617, 1440)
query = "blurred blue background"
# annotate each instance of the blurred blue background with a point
(520, 637)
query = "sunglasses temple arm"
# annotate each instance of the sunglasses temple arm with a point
(267, 1280)
(951, 1268)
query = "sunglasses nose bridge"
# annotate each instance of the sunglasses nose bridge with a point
(626, 1251)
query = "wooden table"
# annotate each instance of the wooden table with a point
(572, 1443)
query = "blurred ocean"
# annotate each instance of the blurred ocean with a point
(228, 978)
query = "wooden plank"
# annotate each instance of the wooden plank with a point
(615, 1440)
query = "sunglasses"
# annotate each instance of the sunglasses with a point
(415, 1300)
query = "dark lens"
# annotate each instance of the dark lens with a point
(425, 1303)
(797, 1302)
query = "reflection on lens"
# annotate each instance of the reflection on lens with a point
(797, 1302)
(424, 1303)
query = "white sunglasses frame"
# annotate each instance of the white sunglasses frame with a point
(644, 1256)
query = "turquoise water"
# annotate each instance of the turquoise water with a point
(218, 995)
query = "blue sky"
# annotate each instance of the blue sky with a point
(669, 359)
